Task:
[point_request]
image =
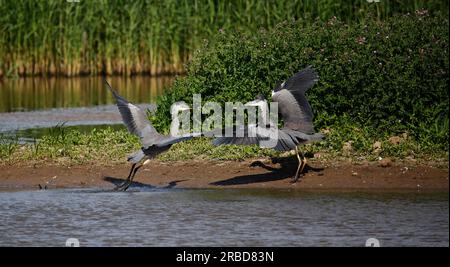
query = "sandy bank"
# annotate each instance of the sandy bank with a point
(230, 174)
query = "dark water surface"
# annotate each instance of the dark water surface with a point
(28, 106)
(177, 217)
(29, 94)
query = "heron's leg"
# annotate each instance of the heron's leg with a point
(125, 187)
(304, 162)
(128, 178)
(301, 164)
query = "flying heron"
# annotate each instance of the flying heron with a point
(153, 143)
(296, 113)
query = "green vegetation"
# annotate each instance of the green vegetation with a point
(383, 88)
(154, 37)
(65, 146)
(377, 79)
(69, 146)
(62, 145)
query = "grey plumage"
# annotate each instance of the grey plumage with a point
(136, 157)
(287, 139)
(136, 120)
(295, 111)
(137, 123)
(294, 108)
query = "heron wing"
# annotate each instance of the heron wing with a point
(170, 140)
(242, 135)
(293, 105)
(301, 81)
(257, 136)
(135, 120)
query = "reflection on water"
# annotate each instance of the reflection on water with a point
(176, 217)
(32, 103)
(46, 93)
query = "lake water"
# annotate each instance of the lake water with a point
(182, 217)
(29, 94)
(35, 103)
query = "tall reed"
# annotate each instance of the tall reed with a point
(151, 37)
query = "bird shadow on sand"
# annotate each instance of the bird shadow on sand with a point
(287, 169)
(117, 181)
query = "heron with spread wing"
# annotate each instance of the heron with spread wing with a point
(153, 143)
(296, 113)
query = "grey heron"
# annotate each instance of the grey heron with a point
(294, 110)
(153, 143)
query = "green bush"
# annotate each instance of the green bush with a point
(391, 76)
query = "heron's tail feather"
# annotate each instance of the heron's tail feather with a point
(136, 156)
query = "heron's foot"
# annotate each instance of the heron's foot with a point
(118, 187)
(123, 186)
(126, 187)
(296, 178)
